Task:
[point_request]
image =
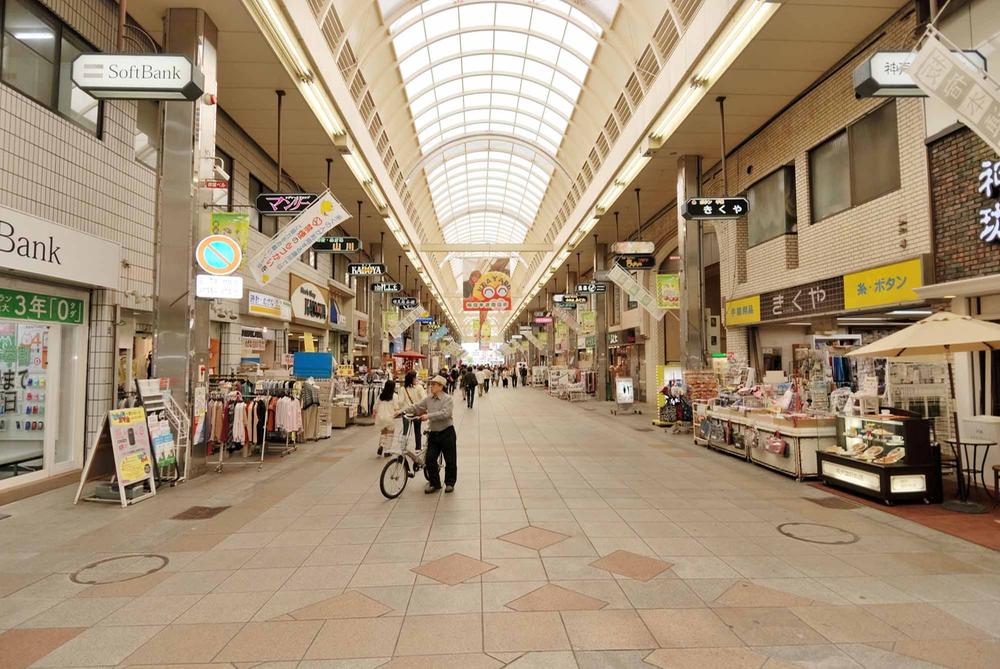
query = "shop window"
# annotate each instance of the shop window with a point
(772, 207)
(36, 59)
(265, 224)
(229, 167)
(147, 132)
(856, 165)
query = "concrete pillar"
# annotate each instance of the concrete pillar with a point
(375, 303)
(601, 326)
(550, 334)
(102, 356)
(691, 279)
(181, 325)
(571, 353)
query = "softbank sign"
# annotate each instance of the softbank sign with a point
(127, 77)
(35, 246)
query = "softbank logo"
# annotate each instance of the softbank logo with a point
(119, 71)
(25, 247)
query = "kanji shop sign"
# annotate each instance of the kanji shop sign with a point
(887, 74)
(284, 204)
(888, 284)
(387, 287)
(405, 302)
(950, 76)
(812, 298)
(705, 208)
(989, 216)
(22, 305)
(636, 262)
(337, 245)
(593, 287)
(744, 311)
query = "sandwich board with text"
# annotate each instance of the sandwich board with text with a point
(122, 449)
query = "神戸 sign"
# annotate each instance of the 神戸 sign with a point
(989, 185)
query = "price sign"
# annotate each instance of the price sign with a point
(22, 305)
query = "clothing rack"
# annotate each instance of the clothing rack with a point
(236, 391)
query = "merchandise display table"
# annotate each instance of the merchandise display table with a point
(785, 443)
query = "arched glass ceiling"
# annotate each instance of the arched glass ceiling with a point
(485, 71)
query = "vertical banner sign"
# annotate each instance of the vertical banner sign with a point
(588, 322)
(567, 318)
(633, 289)
(530, 336)
(296, 238)
(406, 320)
(233, 225)
(668, 291)
(942, 71)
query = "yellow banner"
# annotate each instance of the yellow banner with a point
(744, 311)
(345, 370)
(310, 345)
(889, 284)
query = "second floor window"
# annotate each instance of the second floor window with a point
(772, 207)
(265, 224)
(36, 57)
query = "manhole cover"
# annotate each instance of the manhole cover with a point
(199, 512)
(119, 569)
(832, 502)
(815, 533)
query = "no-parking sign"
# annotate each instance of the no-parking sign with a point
(219, 255)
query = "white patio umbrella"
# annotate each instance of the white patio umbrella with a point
(939, 334)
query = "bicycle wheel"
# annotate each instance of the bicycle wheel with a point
(394, 478)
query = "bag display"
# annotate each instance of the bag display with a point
(777, 445)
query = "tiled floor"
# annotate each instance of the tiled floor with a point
(571, 542)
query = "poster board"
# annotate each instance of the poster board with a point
(121, 448)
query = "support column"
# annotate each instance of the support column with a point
(573, 344)
(101, 351)
(181, 323)
(375, 306)
(601, 325)
(550, 334)
(691, 279)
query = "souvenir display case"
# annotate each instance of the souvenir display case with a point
(887, 456)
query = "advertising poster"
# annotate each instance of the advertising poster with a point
(488, 291)
(130, 444)
(233, 225)
(668, 291)
(588, 322)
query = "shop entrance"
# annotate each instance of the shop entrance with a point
(41, 411)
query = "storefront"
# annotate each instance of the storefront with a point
(362, 357)
(625, 360)
(248, 336)
(965, 193)
(44, 339)
(341, 314)
(310, 315)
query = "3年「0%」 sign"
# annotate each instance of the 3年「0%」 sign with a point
(22, 305)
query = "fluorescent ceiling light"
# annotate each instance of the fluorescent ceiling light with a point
(862, 318)
(609, 197)
(375, 194)
(911, 312)
(30, 36)
(737, 34)
(632, 169)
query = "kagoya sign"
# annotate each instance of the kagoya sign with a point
(35, 246)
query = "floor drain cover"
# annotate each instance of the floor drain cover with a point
(833, 502)
(199, 512)
(815, 533)
(119, 569)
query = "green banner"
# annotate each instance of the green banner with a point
(232, 225)
(27, 306)
(668, 291)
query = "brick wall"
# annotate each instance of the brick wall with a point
(954, 167)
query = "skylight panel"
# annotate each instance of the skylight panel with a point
(545, 23)
(441, 23)
(515, 16)
(505, 40)
(474, 15)
(445, 48)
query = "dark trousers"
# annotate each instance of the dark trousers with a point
(470, 395)
(486, 385)
(439, 443)
(416, 430)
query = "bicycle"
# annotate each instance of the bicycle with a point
(403, 465)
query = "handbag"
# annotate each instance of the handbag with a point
(777, 445)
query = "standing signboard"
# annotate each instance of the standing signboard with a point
(122, 448)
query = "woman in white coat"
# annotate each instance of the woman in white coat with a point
(413, 392)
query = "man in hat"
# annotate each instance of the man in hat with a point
(436, 410)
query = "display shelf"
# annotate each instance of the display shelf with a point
(889, 457)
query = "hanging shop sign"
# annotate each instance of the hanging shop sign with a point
(365, 269)
(888, 284)
(386, 287)
(636, 262)
(337, 245)
(283, 204)
(887, 74)
(487, 292)
(989, 216)
(309, 301)
(621, 338)
(668, 291)
(405, 302)
(743, 311)
(268, 306)
(949, 76)
(36, 246)
(212, 287)
(232, 225)
(633, 248)
(565, 298)
(25, 306)
(439, 333)
(218, 254)
(593, 287)
(542, 320)
(567, 319)
(517, 337)
(530, 336)
(708, 209)
(285, 248)
(253, 338)
(635, 290)
(425, 319)
(116, 76)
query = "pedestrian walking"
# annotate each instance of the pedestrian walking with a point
(386, 408)
(480, 379)
(436, 410)
(469, 383)
(413, 392)
(523, 372)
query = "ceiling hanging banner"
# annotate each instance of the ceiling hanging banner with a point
(567, 318)
(296, 238)
(530, 336)
(406, 320)
(488, 291)
(635, 290)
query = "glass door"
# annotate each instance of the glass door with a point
(27, 376)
